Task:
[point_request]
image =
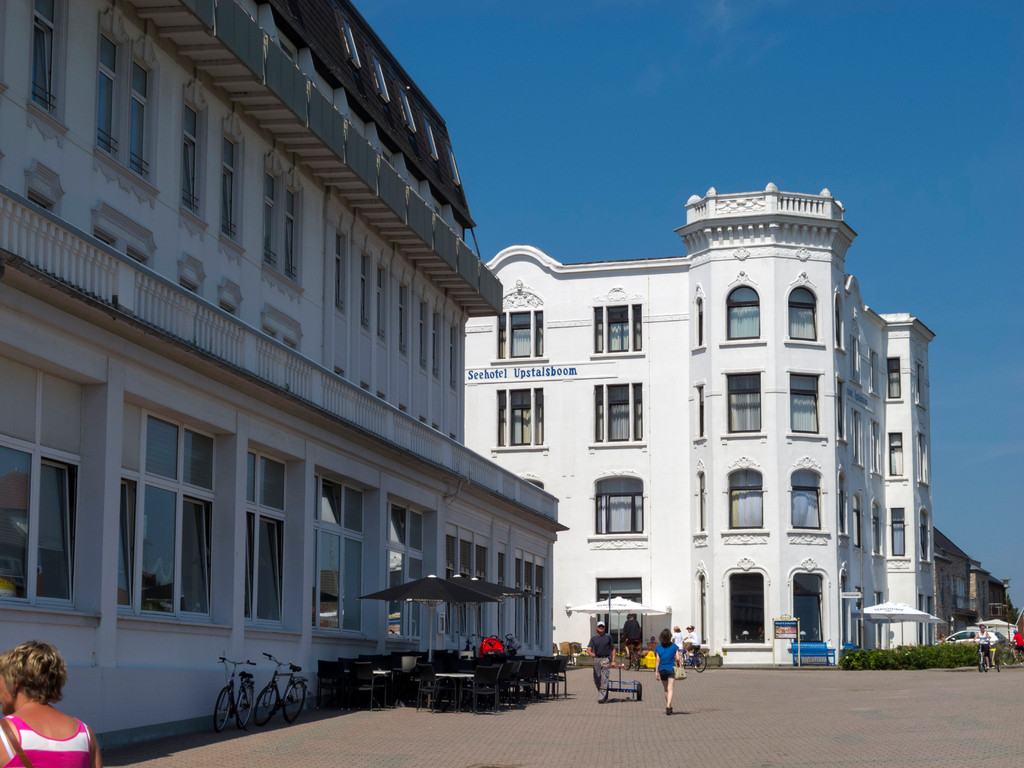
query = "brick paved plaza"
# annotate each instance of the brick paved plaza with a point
(724, 717)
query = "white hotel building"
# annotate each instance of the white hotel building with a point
(233, 291)
(733, 434)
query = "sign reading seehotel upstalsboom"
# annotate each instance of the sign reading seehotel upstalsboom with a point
(513, 373)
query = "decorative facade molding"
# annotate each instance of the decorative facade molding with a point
(700, 540)
(618, 295)
(521, 298)
(49, 127)
(899, 566)
(744, 462)
(742, 278)
(802, 281)
(229, 295)
(735, 537)
(806, 537)
(809, 564)
(745, 563)
(191, 223)
(803, 254)
(806, 462)
(125, 179)
(230, 249)
(128, 232)
(44, 181)
(191, 273)
(741, 253)
(287, 328)
(569, 324)
(618, 544)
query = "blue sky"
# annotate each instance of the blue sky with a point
(583, 127)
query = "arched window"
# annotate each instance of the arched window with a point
(744, 314)
(702, 503)
(805, 500)
(700, 321)
(745, 499)
(839, 324)
(801, 315)
(807, 605)
(746, 608)
(620, 505)
(841, 503)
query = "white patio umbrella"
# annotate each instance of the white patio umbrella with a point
(616, 605)
(890, 613)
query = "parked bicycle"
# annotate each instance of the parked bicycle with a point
(227, 705)
(271, 699)
(697, 660)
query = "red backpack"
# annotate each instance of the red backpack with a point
(491, 645)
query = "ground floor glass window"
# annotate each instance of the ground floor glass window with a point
(746, 608)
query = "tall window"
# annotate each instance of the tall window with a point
(340, 271)
(47, 570)
(410, 121)
(139, 105)
(177, 504)
(893, 368)
(520, 417)
(264, 538)
(802, 306)
(105, 94)
(618, 412)
(422, 326)
(405, 563)
(382, 309)
(898, 531)
(403, 320)
(876, 530)
(525, 331)
(745, 499)
(381, 83)
(291, 266)
(700, 321)
(339, 556)
(855, 358)
(744, 310)
(745, 402)
(43, 29)
(841, 503)
(925, 537)
(876, 447)
(918, 383)
(858, 521)
(857, 438)
(895, 454)
(700, 411)
(702, 502)
(364, 291)
(453, 355)
(873, 380)
(618, 328)
(746, 608)
(269, 199)
(840, 411)
(807, 604)
(189, 147)
(803, 403)
(228, 192)
(922, 458)
(619, 505)
(838, 322)
(435, 345)
(805, 500)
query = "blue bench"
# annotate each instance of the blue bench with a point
(812, 653)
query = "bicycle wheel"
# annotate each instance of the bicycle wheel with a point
(294, 700)
(222, 711)
(266, 704)
(995, 659)
(700, 661)
(243, 707)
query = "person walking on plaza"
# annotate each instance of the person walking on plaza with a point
(602, 649)
(34, 733)
(668, 654)
(677, 637)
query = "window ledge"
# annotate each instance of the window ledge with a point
(626, 353)
(702, 348)
(612, 444)
(230, 247)
(46, 123)
(745, 536)
(617, 541)
(762, 436)
(742, 343)
(128, 180)
(519, 449)
(277, 280)
(192, 222)
(501, 362)
(806, 437)
(702, 440)
(172, 624)
(804, 344)
(808, 536)
(47, 614)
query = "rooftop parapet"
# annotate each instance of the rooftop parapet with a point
(771, 201)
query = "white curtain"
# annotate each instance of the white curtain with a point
(805, 500)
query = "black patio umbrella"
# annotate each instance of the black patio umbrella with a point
(432, 591)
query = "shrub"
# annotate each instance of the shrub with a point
(946, 656)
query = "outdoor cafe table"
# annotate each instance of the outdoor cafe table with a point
(459, 678)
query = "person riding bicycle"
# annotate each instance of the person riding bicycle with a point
(631, 632)
(985, 640)
(691, 643)
(1018, 644)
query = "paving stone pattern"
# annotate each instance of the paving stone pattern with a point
(777, 718)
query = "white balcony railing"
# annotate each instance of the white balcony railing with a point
(91, 268)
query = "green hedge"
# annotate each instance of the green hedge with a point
(946, 655)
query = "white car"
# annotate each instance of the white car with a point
(968, 635)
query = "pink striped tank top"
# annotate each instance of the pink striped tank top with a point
(45, 752)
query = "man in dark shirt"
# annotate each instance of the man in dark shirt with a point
(601, 648)
(631, 631)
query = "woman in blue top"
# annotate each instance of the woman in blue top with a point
(668, 655)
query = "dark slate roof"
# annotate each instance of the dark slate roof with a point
(319, 24)
(941, 542)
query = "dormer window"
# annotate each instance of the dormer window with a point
(350, 46)
(430, 139)
(382, 86)
(407, 108)
(455, 168)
